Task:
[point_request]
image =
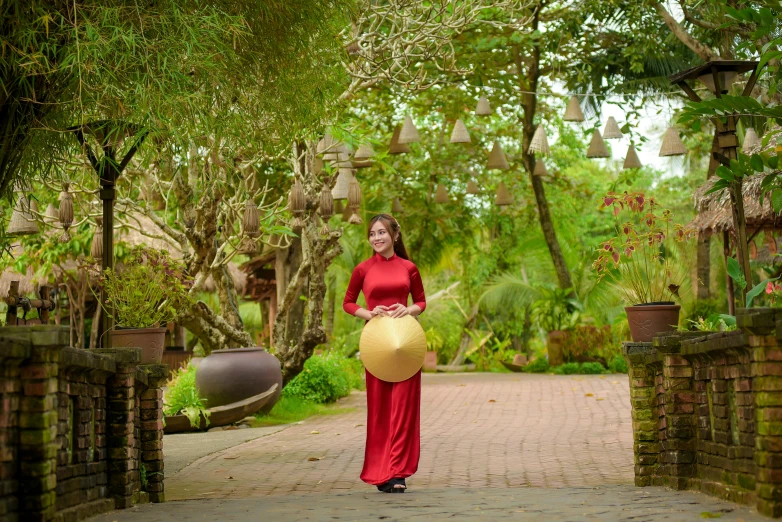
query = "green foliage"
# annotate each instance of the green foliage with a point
(294, 409)
(587, 368)
(325, 379)
(539, 365)
(588, 340)
(618, 365)
(555, 309)
(714, 323)
(567, 368)
(703, 308)
(592, 368)
(182, 396)
(148, 290)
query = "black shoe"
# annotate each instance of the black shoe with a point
(385, 487)
(395, 483)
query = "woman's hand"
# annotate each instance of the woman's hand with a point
(398, 310)
(379, 310)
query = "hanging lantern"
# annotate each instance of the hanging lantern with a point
(326, 147)
(771, 243)
(540, 169)
(573, 111)
(483, 108)
(22, 221)
(96, 249)
(66, 212)
(341, 187)
(672, 144)
(362, 157)
(612, 131)
(251, 223)
(503, 195)
(472, 188)
(597, 147)
(631, 159)
(354, 202)
(297, 203)
(497, 158)
(395, 147)
(441, 195)
(396, 206)
(408, 134)
(460, 134)
(539, 143)
(317, 166)
(751, 141)
(343, 161)
(52, 215)
(326, 208)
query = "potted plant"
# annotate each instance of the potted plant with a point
(556, 311)
(642, 263)
(145, 292)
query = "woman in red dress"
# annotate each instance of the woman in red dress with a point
(393, 408)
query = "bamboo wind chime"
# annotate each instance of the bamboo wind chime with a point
(483, 108)
(66, 212)
(503, 196)
(297, 203)
(396, 206)
(395, 147)
(540, 169)
(573, 111)
(354, 202)
(672, 144)
(96, 248)
(460, 134)
(497, 158)
(472, 188)
(631, 159)
(22, 221)
(326, 209)
(597, 147)
(251, 225)
(539, 143)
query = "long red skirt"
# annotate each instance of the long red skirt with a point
(393, 429)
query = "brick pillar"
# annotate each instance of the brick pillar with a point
(646, 446)
(38, 419)
(678, 454)
(152, 430)
(120, 404)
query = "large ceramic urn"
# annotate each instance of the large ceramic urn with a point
(150, 340)
(648, 320)
(228, 376)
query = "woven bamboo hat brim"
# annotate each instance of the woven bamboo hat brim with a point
(539, 143)
(408, 134)
(497, 158)
(751, 141)
(573, 111)
(672, 144)
(483, 108)
(597, 147)
(392, 349)
(612, 131)
(460, 134)
(631, 160)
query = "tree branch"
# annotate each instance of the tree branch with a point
(681, 33)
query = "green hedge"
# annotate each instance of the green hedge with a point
(326, 378)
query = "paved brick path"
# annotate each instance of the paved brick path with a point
(478, 430)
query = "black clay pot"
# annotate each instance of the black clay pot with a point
(228, 376)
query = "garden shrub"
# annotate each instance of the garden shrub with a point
(568, 368)
(618, 364)
(592, 368)
(539, 365)
(182, 396)
(325, 378)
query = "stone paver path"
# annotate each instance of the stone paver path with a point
(478, 431)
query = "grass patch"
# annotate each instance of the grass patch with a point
(294, 409)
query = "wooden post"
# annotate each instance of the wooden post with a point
(731, 292)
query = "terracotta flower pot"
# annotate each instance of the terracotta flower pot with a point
(150, 340)
(555, 345)
(430, 361)
(228, 376)
(648, 320)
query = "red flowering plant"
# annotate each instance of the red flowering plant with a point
(642, 260)
(148, 289)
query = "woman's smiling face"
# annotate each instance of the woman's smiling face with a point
(381, 239)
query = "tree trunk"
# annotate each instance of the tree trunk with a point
(331, 306)
(464, 342)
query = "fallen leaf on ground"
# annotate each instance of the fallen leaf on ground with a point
(314, 432)
(492, 400)
(614, 382)
(461, 385)
(589, 395)
(229, 477)
(600, 399)
(313, 459)
(230, 458)
(358, 425)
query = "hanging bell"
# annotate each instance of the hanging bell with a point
(631, 159)
(52, 215)
(326, 208)
(396, 206)
(573, 111)
(460, 134)
(66, 212)
(751, 141)
(539, 143)
(297, 203)
(363, 156)
(612, 131)
(22, 221)
(441, 195)
(472, 188)
(672, 145)
(483, 108)
(497, 158)
(96, 249)
(342, 185)
(251, 222)
(395, 147)
(540, 169)
(408, 134)
(354, 202)
(503, 195)
(597, 147)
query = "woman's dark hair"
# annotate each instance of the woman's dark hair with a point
(392, 227)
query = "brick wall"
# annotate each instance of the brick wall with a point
(707, 411)
(71, 427)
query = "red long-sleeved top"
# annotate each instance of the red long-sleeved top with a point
(384, 282)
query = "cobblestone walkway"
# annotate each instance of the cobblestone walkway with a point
(478, 431)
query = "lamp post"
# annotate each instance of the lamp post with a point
(109, 134)
(718, 75)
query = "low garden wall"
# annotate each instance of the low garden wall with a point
(707, 411)
(81, 431)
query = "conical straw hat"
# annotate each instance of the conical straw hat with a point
(751, 141)
(460, 134)
(441, 195)
(408, 134)
(364, 152)
(392, 349)
(539, 142)
(395, 147)
(497, 158)
(597, 147)
(340, 190)
(503, 196)
(22, 221)
(612, 132)
(672, 144)
(540, 169)
(483, 108)
(396, 206)
(573, 111)
(472, 188)
(631, 160)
